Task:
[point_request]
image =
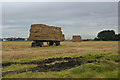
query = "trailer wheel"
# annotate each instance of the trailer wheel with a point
(33, 44)
(41, 44)
(51, 43)
(57, 43)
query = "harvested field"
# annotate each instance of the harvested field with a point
(75, 60)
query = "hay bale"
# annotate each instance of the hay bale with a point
(45, 32)
(63, 37)
(76, 38)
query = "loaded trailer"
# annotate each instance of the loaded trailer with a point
(40, 33)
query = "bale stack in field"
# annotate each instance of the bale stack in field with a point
(45, 32)
(63, 37)
(76, 38)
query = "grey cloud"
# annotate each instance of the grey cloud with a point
(74, 18)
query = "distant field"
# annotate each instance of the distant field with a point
(99, 60)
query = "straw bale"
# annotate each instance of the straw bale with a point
(76, 38)
(45, 32)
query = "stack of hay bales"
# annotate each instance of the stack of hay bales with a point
(76, 38)
(63, 37)
(45, 33)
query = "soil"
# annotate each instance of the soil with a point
(49, 60)
(47, 64)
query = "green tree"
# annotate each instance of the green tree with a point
(117, 37)
(96, 39)
(106, 35)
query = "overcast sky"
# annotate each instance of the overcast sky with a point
(83, 18)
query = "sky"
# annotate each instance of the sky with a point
(75, 18)
(60, 0)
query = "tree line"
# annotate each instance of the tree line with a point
(14, 39)
(105, 35)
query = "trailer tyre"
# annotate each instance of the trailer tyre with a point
(41, 44)
(51, 43)
(33, 44)
(57, 43)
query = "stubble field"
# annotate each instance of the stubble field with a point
(86, 59)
